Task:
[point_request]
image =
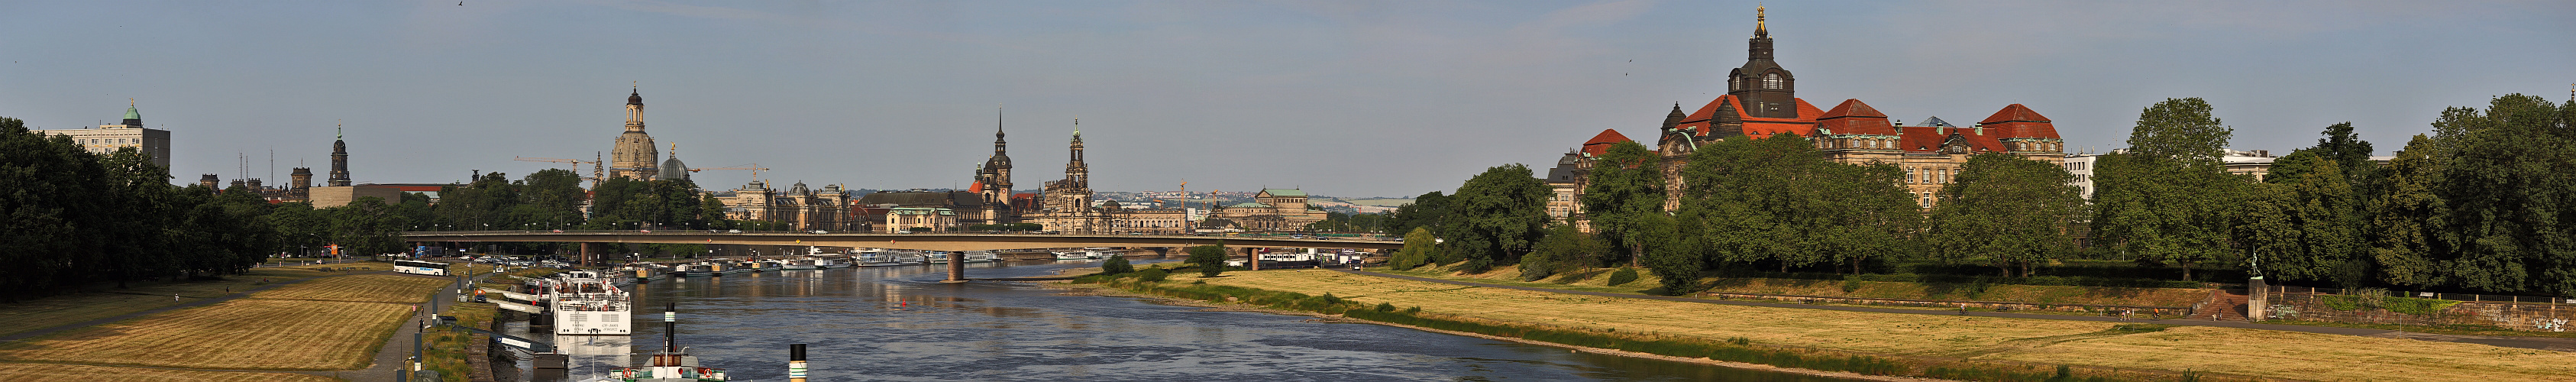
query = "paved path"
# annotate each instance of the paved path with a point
(2543, 343)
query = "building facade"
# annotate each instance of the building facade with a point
(1761, 101)
(128, 133)
(1271, 210)
(801, 208)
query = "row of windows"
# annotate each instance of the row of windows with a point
(1927, 175)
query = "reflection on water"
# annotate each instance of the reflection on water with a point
(901, 324)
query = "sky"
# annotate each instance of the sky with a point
(1340, 98)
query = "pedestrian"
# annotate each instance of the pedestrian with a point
(174, 298)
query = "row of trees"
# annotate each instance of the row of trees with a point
(75, 218)
(2478, 206)
(2483, 204)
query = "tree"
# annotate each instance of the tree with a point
(1426, 211)
(1624, 186)
(1116, 264)
(1497, 216)
(1209, 258)
(2011, 210)
(2167, 200)
(1418, 246)
(1564, 249)
(2404, 218)
(2508, 201)
(368, 226)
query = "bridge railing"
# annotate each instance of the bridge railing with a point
(744, 232)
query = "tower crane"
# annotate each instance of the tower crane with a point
(754, 167)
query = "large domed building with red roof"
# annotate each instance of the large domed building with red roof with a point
(1761, 101)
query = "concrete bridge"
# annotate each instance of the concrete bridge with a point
(914, 241)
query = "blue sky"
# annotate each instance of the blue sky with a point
(1389, 98)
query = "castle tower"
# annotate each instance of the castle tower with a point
(1767, 90)
(994, 182)
(209, 181)
(339, 161)
(301, 179)
(634, 155)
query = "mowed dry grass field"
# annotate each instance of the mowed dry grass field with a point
(11, 372)
(238, 334)
(140, 296)
(360, 288)
(2083, 343)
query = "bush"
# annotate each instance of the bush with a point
(1623, 276)
(1210, 259)
(1385, 307)
(1117, 264)
(1153, 274)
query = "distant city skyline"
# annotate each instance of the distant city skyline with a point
(1344, 99)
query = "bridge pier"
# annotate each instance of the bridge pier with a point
(583, 257)
(1252, 258)
(956, 268)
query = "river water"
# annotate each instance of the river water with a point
(901, 324)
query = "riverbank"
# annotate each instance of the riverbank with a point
(1930, 345)
(1115, 291)
(319, 322)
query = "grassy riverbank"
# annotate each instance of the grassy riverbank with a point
(332, 323)
(1955, 347)
(1597, 280)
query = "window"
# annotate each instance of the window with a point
(1773, 81)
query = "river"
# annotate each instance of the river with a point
(901, 324)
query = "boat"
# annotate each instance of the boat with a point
(587, 302)
(670, 364)
(981, 257)
(702, 269)
(1094, 253)
(1071, 255)
(829, 263)
(802, 264)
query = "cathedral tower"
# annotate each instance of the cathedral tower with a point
(339, 161)
(1766, 90)
(634, 155)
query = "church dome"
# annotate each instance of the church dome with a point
(635, 97)
(672, 169)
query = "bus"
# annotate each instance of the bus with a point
(432, 268)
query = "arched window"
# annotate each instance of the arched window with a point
(1773, 81)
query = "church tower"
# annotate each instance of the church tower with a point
(339, 160)
(1077, 174)
(993, 184)
(1766, 90)
(634, 155)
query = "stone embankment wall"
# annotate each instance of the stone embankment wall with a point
(2138, 311)
(2528, 314)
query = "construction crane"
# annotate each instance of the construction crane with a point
(754, 167)
(596, 170)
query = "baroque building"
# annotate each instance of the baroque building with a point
(1065, 206)
(993, 179)
(1761, 101)
(1272, 209)
(801, 208)
(633, 156)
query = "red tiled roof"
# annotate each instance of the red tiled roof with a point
(976, 188)
(2017, 121)
(1754, 126)
(1600, 144)
(1854, 117)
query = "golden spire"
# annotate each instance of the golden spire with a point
(675, 150)
(1759, 27)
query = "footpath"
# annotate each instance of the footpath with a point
(2541, 343)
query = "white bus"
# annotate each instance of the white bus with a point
(432, 268)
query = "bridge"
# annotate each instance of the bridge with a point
(913, 241)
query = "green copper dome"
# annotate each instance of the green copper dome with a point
(130, 113)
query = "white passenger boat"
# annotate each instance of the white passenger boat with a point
(982, 257)
(798, 264)
(589, 303)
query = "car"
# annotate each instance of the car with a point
(733, 231)
(819, 232)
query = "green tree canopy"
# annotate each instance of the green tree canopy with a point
(1497, 216)
(2010, 210)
